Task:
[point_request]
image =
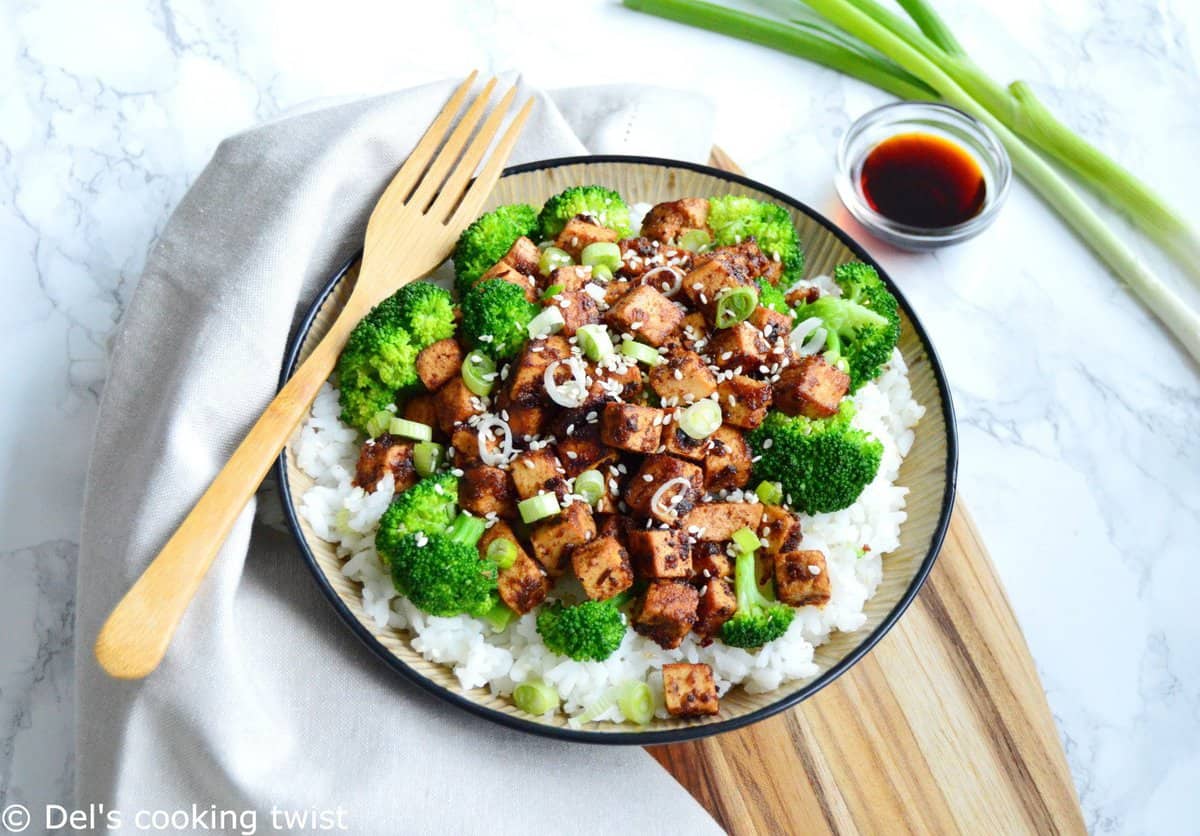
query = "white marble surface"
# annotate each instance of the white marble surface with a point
(1077, 415)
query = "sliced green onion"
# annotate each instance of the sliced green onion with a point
(590, 485)
(479, 373)
(502, 552)
(427, 457)
(735, 306)
(636, 702)
(552, 258)
(552, 291)
(378, 423)
(598, 707)
(695, 240)
(641, 352)
(499, 617)
(701, 419)
(746, 541)
(771, 493)
(549, 321)
(538, 507)
(602, 273)
(535, 697)
(595, 342)
(410, 429)
(601, 253)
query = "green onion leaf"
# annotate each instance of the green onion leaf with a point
(552, 291)
(479, 373)
(735, 305)
(378, 423)
(590, 485)
(549, 321)
(603, 253)
(535, 697)
(641, 352)
(695, 240)
(595, 342)
(502, 552)
(552, 258)
(746, 541)
(636, 702)
(701, 419)
(602, 273)
(770, 493)
(538, 507)
(427, 456)
(410, 429)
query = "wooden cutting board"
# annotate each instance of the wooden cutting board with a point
(942, 728)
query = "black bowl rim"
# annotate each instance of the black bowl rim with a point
(647, 738)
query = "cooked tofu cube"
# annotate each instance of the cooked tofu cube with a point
(580, 454)
(507, 273)
(801, 579)
(728, 462)
(684, 378)
(538, 471)
(641, 255)
(744, 401)
(523, 585)
(554, 539)
(610, 525)
(656, 471)
(693, 332)
(578, 308)
(679, 443)
(717, 605)
(803, 295)
(484, 490)
(523, 256)
(579, 232)
(660, 552)
(437, 364)
(780, 528)
(423, 409)
(526, 379)
(637, 429)
(455, 404)
(689, 690)
(811, 388)
(740, 347)
(667, 612)
(382, 455)
(527, 420)
(615, 290)
(621, 383)
(713, 275)
(464, 443)
(710, 560)
(571, 278)
(646, 315)
(665, 222)
(715, 522)
(772, 323)
(602, 567)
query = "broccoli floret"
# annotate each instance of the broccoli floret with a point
(590, 631)
(496, 318)
(603, 205)
(488, 239)
(443, 574)
(426, 312)
(378, 362)
(862, 325)
(427, 507)
(757, 619)
(824, 464)
(734, 218)
(771, 296)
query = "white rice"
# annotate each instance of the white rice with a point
(347, 516)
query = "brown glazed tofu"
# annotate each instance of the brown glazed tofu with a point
(685, 377)
(527, 420)
(728, 462)
(660, 552)
(437, 364)
(811, 388)
(554, 539)
(423, 409)
(580, 454)
(610, 525)
(715, 273)
(579, 232)
(577, 309)
(780, 528)
(507, 273)
(646, 315)
(571, 278)
(382, 455)
(744, 401)
(803, 296)
(693, 332)
(715, 522)
(624, 383)
(614, 290)
(679, 443)
(455, 404)
(772, 323)
(602, 567)
(641, 255)
(740, 347)
(717, 605)
(637, 429)
(523, 256)
(801, 579)
(526, 380)
(689, 690)
(667, 612)
(709, 560)
(538, 471)
(665, 222)
(523, 585)
(484, 490)
(656, 471)
(465, 446)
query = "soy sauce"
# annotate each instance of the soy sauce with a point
(923, 180)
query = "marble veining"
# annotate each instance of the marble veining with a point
(1077, 414)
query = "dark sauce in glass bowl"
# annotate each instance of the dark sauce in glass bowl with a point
(923, 180)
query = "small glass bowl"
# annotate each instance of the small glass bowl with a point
(881, 123)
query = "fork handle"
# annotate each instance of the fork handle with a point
(134, 639)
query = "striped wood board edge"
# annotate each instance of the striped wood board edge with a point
(942, 728)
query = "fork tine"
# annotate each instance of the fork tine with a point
(482, 187)
(407, 176)
(453, 189)
(445, 159)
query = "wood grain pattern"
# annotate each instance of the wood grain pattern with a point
(942, 728)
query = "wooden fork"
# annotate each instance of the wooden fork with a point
(411, 231)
